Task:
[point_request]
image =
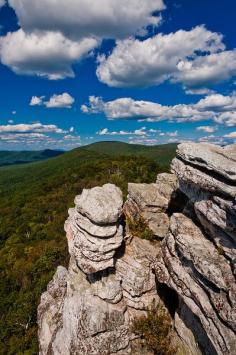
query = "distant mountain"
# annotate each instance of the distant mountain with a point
(23, 157)
(162, 154)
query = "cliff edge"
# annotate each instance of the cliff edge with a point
(115, 276)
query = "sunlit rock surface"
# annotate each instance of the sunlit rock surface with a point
(114, 277)
(89, 309)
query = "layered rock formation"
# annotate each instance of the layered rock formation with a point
(151, 202)
(114, 277)
(199, 254)
(89, 308)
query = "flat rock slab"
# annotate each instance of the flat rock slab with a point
(102, 205)
(221, 161)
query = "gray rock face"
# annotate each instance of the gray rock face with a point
(93, 230)
(113, 277)
(151, 202)
(102, 205)
(89, 309)
(213, 158)
(204, 281)
(199, 255)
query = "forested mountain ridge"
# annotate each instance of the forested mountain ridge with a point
(22, 157)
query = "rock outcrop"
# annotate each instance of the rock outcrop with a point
(199, 254)
(89, 309)
(114, 277)
(151, 203)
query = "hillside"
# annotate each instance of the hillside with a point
(163, 154)
(34, 200)
(14, 157)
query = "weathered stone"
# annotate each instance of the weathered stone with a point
(102, 205)
(50, 309)
(214, 159)
(203, 280)
(95, 305)
(94, 245)
(191, 180)
(113, 278)
(140, 286)
(91, 228)
(151, 202)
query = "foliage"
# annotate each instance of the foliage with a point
(10, 158)
(155, 330)
(139, 228)
(162, 154)
(34, 200)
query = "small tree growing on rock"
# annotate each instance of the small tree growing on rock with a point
(155, 330)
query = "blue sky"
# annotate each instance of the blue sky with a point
(148, 72)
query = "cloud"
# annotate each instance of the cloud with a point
(77, 19)
(31, 128)
(127, 108)
(44, 54)
(37, 136)
(216, 107)
(36, 101)
(227, 118)
(144, 141)
(64, 100)
(135, 63)
(207, 129)
(201, 91)
(207, 70)
(218, 102)
(138, 132)
(20, 136)
(231, 135)
(58, 101)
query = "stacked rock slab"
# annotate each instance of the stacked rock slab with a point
(89, 308)
(93, 230)
(199, 254)
(151, 202)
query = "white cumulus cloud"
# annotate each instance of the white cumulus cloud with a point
(64, 100)
(45, 54)
(85, 18)
(138, 132)
(216, 107)
(36, 101)
(207, 70)
(231, 135)
(207, 129)
(59, 101)
(127, 108)
(31, 128)
(148, 62)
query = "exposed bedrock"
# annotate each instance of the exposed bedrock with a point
(199, 255)
(89, 309)
(113, 277)
(152, 203)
